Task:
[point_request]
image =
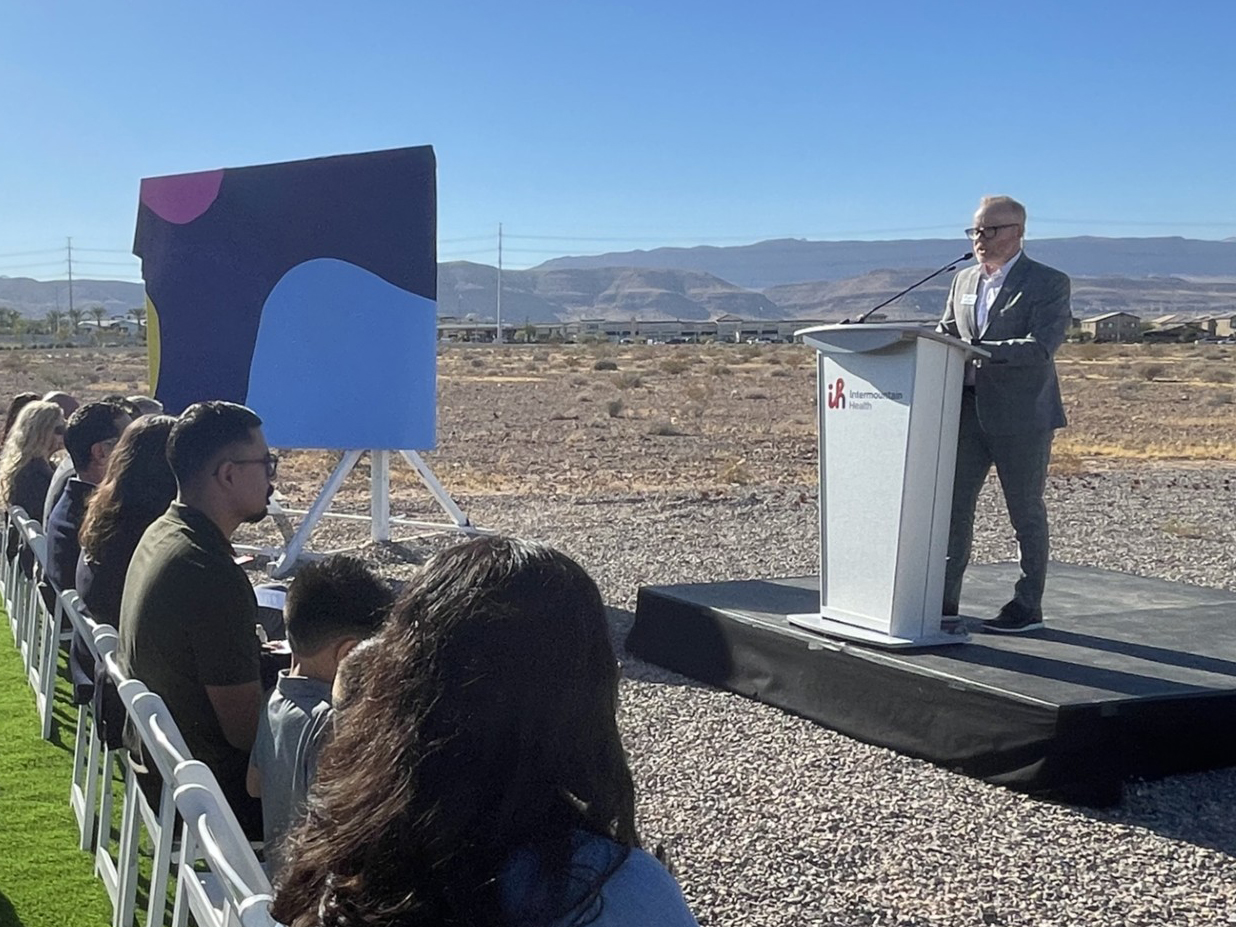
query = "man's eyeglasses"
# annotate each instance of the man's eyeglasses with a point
(270, 460)
(988, 231)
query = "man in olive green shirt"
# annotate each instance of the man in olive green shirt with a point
(188, 613)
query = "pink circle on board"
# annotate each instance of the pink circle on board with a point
(181, 198)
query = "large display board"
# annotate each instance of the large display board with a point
(306, 290)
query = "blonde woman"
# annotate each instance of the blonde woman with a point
(25, 460)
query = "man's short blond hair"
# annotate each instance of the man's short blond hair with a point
(1005, 203)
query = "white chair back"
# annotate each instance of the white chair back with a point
(164, 745)
(89, 768)
(234, 888)
(42, 628)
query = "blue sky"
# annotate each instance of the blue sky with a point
(594, 126)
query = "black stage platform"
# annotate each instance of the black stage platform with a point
(1132, 677)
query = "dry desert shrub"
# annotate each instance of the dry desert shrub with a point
(578, 380)
(1217, 374)
(628, 380)
(1151, 371)
(735, 472)
(1066, 464)
(614, 407)
(570, 361)
(1085, 351)
(699, 392)
(720, 370)
(748, 352)
(1188, 530)
(477, 362)
(605, 364)
(755, 394)
(665, 430)
(779, 372)
(1221, 398)
(674, 366)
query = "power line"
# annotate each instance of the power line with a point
(460, 241)
(31, 266)
(31, 253)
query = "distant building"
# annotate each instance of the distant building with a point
(1225, 326)
(1113, 326)
(1180, 332)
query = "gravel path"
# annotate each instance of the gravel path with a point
(773, 820)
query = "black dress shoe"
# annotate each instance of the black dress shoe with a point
(1014, 619)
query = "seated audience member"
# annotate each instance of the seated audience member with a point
(478, 776)
(66, 469)
(90, 437)
(137, 488)
(20, 401)
(145, 405)
(332, 605)
(348, 677)
(25, 460)
(188, 613)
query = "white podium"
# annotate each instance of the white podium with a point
(889, 400)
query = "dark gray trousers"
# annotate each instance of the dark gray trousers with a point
(1021, 464)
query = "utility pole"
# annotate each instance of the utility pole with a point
(498, 338)
(70, 273)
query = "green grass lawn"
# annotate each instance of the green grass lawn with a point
(45, 880)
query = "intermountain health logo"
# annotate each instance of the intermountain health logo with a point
(836, 394)
(857, 399)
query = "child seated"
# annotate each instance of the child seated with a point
(332, 605)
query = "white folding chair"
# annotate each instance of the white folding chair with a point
(6, 565)
(43, 626)
(18, 603)
(12, 569)
(163, 743)
(234, 890)
(88, 770)
(113, 868)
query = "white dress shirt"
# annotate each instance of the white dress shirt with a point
(988, 290)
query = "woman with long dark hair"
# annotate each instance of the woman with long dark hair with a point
(476, 775)
(137, 488)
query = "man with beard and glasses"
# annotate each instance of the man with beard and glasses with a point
(188, 612)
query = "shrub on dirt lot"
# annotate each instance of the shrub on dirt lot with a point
(629, 381)
(605, 364)
(614, 407)
(665, 430)
(674, 365)
(1151, 371)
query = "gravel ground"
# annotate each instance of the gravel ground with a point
(773, 820)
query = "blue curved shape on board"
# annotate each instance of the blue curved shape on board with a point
(344, 359)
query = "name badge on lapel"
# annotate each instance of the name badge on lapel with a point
(969, 299)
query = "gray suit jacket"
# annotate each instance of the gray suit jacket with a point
(1015, 390)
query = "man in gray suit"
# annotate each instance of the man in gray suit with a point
(1018, 310)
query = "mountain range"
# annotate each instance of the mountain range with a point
(771, 279)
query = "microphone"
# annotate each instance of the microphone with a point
(950, 266)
